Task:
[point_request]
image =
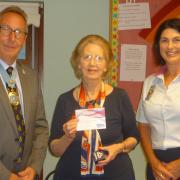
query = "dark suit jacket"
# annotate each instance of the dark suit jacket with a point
(35, 123)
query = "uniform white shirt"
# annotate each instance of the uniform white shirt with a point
(18, 84)
(161, 110)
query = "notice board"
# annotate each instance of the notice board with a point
(159, 11)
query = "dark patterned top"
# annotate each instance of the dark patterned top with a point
(120, 124)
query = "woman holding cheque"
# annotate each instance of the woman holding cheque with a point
(87, 152)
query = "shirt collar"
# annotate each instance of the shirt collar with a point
(160, 74)
(5, 66)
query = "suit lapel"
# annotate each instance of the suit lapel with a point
(25, 91)
(4, 100)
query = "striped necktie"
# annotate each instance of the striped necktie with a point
(16, 106)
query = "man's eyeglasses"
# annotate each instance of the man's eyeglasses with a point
(7, 31)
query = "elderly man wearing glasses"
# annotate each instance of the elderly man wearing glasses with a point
(23, 126)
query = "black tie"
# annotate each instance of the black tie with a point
(10, 70)
(18, 116)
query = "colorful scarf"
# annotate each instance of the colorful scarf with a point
(91, 140)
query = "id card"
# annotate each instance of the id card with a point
(89, 119)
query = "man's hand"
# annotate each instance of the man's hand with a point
(27, 174)
(14, 177)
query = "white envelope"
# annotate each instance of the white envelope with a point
(89, 119)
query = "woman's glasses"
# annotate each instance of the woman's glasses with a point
(97, 58)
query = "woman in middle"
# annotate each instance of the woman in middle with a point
(91, 61)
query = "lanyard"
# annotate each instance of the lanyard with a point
(11, 81)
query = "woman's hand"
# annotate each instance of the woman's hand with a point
(112, 151)
(174, 168)
(70, 128)
(160, 172)
(58, 146)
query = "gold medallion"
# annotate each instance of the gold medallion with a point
(14, 98)
(11, 81)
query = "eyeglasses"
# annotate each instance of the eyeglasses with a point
(7, 31)
(89, 57)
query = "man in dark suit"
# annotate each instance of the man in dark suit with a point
(23, 132)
